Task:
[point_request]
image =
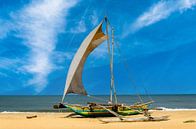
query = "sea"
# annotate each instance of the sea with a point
(45, 103)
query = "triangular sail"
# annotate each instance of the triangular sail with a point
(74, 77)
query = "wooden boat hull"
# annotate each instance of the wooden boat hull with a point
(100, 112)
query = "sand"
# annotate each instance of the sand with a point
(58, 121)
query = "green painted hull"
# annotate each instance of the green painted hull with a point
(99, 112)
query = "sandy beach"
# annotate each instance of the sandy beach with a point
(58, 121)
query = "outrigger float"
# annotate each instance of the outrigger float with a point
(74, 83)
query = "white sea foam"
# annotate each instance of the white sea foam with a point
(6, 112)
(15, 112)
(175, 109)
(9, 112)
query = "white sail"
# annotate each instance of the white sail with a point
(74, 77)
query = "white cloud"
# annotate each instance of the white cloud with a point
(39, 24)
(158, 12)
(186, 4)
(5, 28)
(11, 65)
(101, 51)
(6, 63)
(94, 18)
(61, 57)
(79, 28)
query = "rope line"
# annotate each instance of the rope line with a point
(126, 66)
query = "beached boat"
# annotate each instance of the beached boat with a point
(74, 79)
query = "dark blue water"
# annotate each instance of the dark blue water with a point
(45, 103)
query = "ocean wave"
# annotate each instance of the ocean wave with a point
(18, 112)
(9, 112)
(175, 109)
(6, 112)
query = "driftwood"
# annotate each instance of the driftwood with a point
(143, 119)
(189, 121)
(30, 117)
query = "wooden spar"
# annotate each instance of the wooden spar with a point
(110, 57)
(112, 68)
(124, 119)
(143, 103)
(142, 119)
(112, 112)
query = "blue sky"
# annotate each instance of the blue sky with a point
(157, 41)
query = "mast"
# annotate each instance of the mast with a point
(109, 53)
(111, 56)
(112, 68)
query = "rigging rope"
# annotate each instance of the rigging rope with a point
(126, 65)
(97, 98)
